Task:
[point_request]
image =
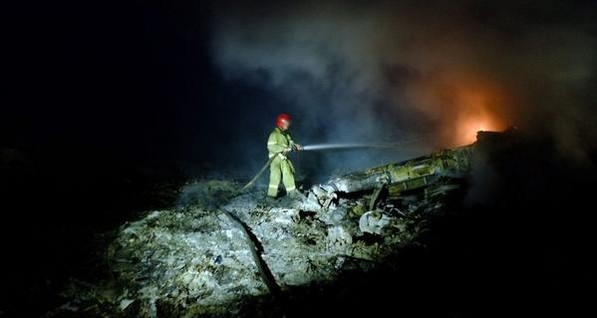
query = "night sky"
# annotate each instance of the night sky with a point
(203, 82)
(95, 89)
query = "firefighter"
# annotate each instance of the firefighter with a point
(279, 144)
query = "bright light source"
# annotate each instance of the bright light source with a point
(475, 115)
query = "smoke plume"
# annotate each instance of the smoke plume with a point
(436, 71)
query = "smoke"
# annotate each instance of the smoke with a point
(355, 71)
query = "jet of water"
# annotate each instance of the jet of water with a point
(350, 145)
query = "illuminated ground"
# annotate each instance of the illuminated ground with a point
(481, 250)
(197, 262)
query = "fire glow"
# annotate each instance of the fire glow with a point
(467, 132)
(475, 114)
(461, 104)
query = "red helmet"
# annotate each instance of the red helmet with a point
(282, 117)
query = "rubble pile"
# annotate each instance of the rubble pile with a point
(196, 261)
(222, 252)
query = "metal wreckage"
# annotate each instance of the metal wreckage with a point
(228, 254)
(389, 183)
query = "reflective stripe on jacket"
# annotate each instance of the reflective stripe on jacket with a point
(278, 141)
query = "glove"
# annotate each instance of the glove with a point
(298, 147)
(286, 150)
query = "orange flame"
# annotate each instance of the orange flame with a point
(461, 104)
(475, 114)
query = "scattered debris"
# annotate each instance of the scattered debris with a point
(223, 254)
(373, 222)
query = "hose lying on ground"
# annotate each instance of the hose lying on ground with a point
(256, 250)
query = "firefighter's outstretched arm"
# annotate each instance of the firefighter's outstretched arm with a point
(294, 145)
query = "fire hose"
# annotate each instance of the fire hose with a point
(269, 162)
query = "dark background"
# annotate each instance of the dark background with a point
(105, 102)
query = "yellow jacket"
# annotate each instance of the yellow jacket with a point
(279, 141)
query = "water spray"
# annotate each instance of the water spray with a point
(351, 145)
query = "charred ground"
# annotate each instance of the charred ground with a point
(522, 245)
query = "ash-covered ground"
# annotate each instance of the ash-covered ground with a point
(197, 261)
(509, 238)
